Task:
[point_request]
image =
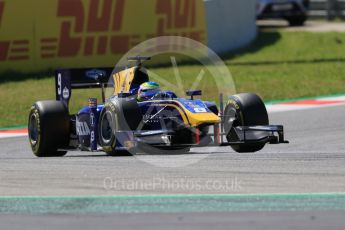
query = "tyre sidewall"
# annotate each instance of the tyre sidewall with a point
(126, 116)
(34, 113)
(250, 111)
(53, 126)
(108, 145)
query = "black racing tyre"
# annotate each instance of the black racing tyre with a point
(246, 109)
(297, 20)
(119, 114)
(306, 3)
(49, 128)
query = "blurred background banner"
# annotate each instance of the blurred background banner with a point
(329, 9)
(37, 35)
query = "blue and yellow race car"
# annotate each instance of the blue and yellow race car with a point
(136, 118)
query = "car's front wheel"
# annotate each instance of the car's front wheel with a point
(121, 114)
(246, 109)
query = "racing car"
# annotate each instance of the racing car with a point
(294, 11)
(122, 125)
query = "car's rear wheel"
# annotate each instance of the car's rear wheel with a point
(246, 109)
(48, 128)
(297, 20)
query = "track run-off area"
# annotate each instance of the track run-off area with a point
(283, 186)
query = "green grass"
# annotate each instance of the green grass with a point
(294, 64)
(276, 47)
(277, 65)
(17, 98)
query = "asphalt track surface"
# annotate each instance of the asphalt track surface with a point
(312, 164)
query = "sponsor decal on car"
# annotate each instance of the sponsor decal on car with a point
(200, 110)
(65, 93)
(82, 128)
(195, 106)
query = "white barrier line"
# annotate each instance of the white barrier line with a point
(8, 135)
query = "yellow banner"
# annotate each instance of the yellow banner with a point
(37, 35)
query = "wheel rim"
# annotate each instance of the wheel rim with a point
(106, 127)
(33, 130)
(231, 118)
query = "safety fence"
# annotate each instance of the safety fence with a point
(327, 9)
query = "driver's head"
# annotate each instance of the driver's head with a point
(147, 90)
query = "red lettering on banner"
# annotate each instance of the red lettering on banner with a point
(2, 8)
(165, 7)
(197, 35)
(90, 27)
(102, 16)
(69, 46)
(102, 45)
(96, 22)
(182, 10)
(74, 9)
(49, 47)
(17, 50)
(177, 14)
(4, 47)
(193, 15)
(118, 15)
(88, 49)
(119, 44)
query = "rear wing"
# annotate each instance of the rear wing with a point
(68, 79)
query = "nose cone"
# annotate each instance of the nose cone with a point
(198, 113)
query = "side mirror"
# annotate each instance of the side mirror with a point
(193, 93)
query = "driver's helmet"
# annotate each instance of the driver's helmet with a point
(147, 90)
